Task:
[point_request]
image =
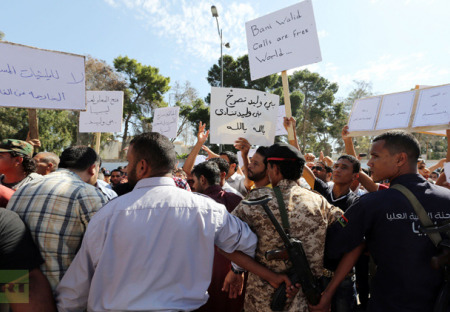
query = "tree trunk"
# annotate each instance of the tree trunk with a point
(125, 137)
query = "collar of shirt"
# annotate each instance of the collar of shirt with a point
(64, 171)
(213, 190)
(155, 181)
(234, 176)
(408, 178)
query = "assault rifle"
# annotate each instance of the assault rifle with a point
(441, 261)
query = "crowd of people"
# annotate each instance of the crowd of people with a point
(154, 237)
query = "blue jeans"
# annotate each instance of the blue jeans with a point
(344, 300)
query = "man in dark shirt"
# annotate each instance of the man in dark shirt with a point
(387, 223)
(19, 264)
(206, 177)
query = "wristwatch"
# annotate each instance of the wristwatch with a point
(235, 271)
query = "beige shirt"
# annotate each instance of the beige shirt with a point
(309, 216)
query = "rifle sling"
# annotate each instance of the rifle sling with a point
(420, 212)
(282, 208)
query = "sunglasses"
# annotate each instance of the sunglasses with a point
(318, 168)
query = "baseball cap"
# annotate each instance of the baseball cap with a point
(12, 145)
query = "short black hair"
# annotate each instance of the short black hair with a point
(352, 159)
(262, 150)
(224, 166)
(232, 157)
(435, 172)
(328, 169)
(78, 158)
(28, 163)
(210, 170)
(401, 142)
(116, 170)
(157, 150)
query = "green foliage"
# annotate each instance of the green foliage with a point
(57, 128)
(319, 118)
(145, 90)
(182, 156)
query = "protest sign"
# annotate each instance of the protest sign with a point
(199, 159)
(424, 110)
(103, 112)
(282, 40)
(165, 121)
(364, 114)
(447, 171)
(396, 110)
(280, 119)
(433, 107)
(243, 113)
(35, 78)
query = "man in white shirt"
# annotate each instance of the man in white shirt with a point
(151, 249)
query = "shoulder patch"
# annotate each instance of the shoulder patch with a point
(343, 221)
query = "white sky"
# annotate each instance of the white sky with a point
(395, 44)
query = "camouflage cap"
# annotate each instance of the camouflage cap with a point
(12, 145)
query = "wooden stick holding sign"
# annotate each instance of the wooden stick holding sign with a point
(287, 105)
(33, 124)
(98, 135)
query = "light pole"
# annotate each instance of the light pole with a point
(227, 45)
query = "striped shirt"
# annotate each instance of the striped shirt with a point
(57, 210)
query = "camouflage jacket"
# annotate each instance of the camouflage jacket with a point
(309, 216)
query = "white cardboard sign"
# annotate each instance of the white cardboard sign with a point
(243, 113)
(282, 40)
(34, 78)
(103, 112)
(165, 121)
(447, 171)
(280, 119)
(433, 107)
(364, 114)
(396, 110)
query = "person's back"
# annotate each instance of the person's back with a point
(405, 280)
(57, 210)
(309, 216)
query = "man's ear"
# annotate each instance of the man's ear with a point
(233, 166)
(402, 159)
(223, 175)
(143, 169)
(91, 170)
(19, 160)
(202, 180)
(355, 176)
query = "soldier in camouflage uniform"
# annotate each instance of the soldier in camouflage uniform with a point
(309, 216)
